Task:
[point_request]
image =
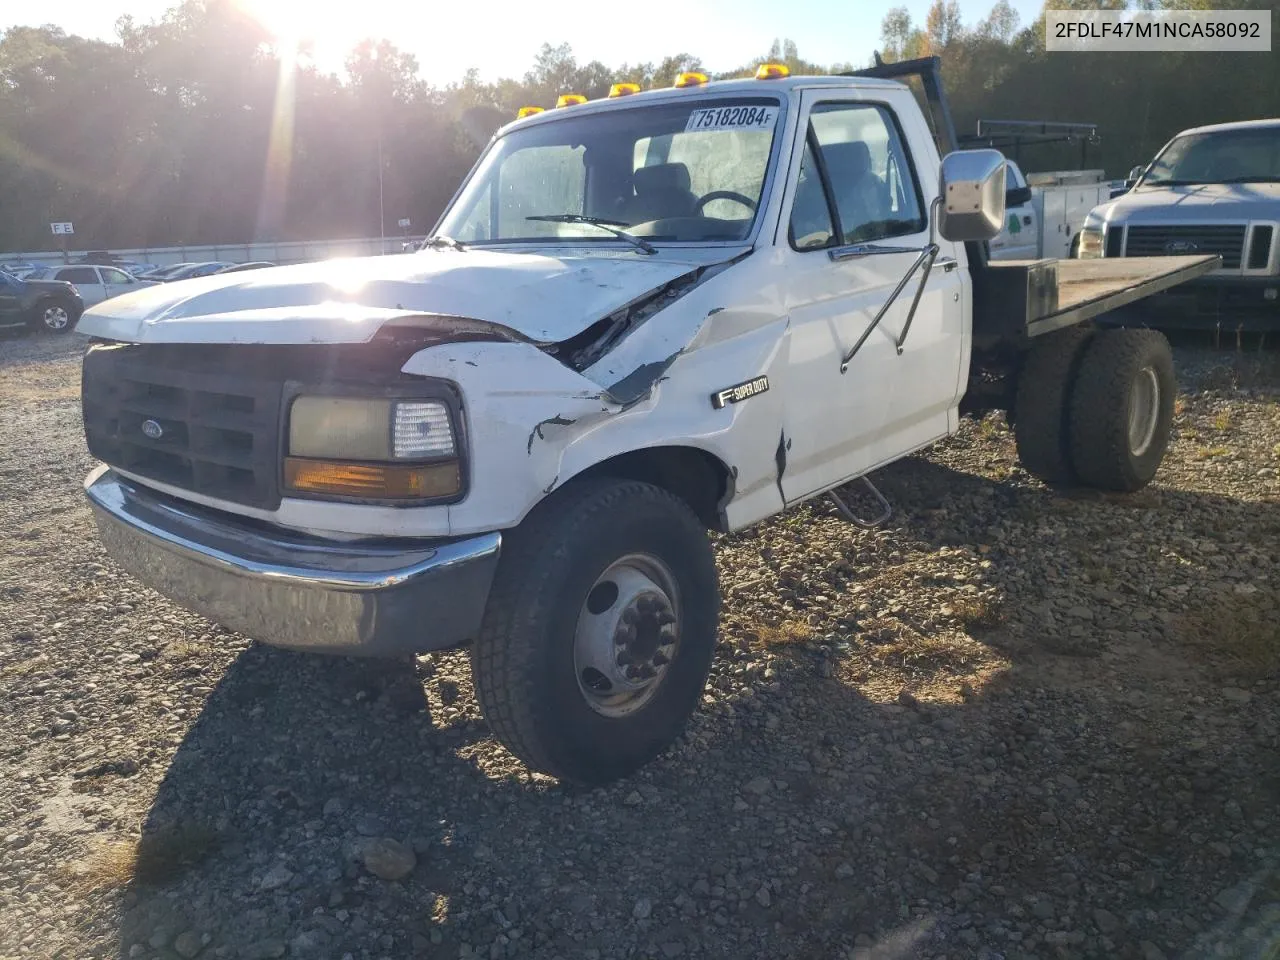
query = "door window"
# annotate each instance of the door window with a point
(868, 173)
(112, 275)
(78, 275)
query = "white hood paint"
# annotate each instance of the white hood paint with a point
(1209, 202)
(544, 296)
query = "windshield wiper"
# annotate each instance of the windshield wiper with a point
(1251, 180)
(440, 240)
(1173, 183)
(613, 226)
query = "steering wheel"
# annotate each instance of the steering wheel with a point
(724, 195)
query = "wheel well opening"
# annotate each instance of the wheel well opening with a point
(695, 476)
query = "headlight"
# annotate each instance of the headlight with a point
(1091, 238)
(376, 449)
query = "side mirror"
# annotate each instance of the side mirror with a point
(1017, 196)
(972, 192)
(1136, 172)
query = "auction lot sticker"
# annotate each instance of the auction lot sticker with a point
(734, 117)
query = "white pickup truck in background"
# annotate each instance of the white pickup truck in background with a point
(1052, 210)
(640, 318)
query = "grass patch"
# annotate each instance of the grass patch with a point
(898, 645)
(150, 859)
(182, 650)
(1237, 630)
(1222, 421)
(1209, 453)
(787, 633)
(979, 611)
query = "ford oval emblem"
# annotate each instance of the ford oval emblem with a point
(1175, 247)
(152, 430)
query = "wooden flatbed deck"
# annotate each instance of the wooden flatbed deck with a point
(1019, 299)
(1087, 288)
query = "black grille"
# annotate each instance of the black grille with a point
(1115, 241)
(218, 431)
(1165, 241)
(1260, 248)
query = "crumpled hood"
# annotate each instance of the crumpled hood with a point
(1210, 202)
(543, 296)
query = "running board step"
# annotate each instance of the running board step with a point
(848, 514)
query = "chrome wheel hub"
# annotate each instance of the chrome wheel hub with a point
(628, 633)
(55, 318)
(1144, 410)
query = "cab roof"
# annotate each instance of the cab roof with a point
(745, 86)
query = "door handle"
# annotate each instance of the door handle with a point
(1026, 221)
(947, 263)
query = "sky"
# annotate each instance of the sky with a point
(501, 37)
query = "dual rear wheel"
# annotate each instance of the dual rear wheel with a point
(1095, 409)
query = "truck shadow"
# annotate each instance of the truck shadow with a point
(1074, 819)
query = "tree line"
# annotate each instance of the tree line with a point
(199, 128)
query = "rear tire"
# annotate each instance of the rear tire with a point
(601, 563)
(1122, 409)
(1042, 404)
(56, 315)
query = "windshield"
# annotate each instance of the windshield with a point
(1250, 155)
(691, 172)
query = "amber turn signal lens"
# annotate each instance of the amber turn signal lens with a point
(373, 481)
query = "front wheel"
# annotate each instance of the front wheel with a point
(599, 631)
(56, 316)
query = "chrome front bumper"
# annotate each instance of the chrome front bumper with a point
(288, 590)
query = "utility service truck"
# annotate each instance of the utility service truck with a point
(640, 318)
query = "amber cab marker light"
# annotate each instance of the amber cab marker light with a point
(570, 99)
(527, 112)
(624, 89)
(372, 481)
(772, 71)
(690, 79)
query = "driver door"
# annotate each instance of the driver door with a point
(862, 392)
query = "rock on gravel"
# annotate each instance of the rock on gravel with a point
(1015, 722)
(387, 859)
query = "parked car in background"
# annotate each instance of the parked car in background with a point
(253, 265)
(135, 267)
(189, 271)
(52, 305)
(95, 283)
(1211, 190)
(161, 272)
(19, 268)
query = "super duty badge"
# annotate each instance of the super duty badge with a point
(739, 392)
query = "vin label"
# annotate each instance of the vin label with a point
(739, 392)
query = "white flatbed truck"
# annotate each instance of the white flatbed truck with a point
(640, 318)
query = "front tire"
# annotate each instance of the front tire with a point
(1122, 409)
(56, 315)
(599, 631)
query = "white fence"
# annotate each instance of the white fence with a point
(291, 251)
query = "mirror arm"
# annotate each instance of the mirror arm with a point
(925, 259)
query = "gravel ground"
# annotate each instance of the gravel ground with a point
(1013, 723)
